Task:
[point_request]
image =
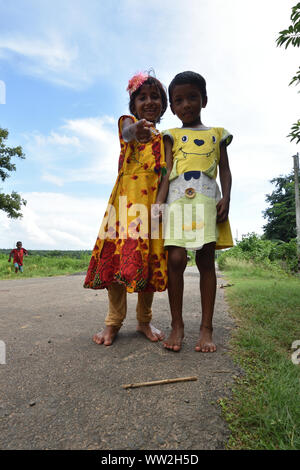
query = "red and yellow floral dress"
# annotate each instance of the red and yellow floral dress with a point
(124, 251)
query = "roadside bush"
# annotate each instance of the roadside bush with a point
(267, 253)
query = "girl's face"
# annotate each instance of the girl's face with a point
(187, 103)
(148, 104)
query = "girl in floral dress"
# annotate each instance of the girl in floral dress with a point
(125, 257)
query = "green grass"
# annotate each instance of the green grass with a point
(264, 411)
(37, 265)
(191, 260)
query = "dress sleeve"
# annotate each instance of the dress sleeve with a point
(121, 122)
(123, 144)
(171, 133)
(168, 133)
(226, 137)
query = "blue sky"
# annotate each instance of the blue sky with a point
(65, 65)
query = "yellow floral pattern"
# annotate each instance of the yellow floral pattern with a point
(124, 251)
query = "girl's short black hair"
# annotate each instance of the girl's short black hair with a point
(188, 77)
(162, 91)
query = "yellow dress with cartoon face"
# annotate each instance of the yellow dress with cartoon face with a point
(193, 191)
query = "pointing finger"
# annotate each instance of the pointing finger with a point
(147, 123)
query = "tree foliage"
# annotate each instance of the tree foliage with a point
(269, 254)
(281, 215)
(292, 34)
(9, 203)
(287, 37)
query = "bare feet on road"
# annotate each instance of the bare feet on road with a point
(106, 336)
(109, 333)
(150, 331)
(205, 342)
(174, 341)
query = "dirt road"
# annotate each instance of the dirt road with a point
(59, 390)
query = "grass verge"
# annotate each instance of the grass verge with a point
(44, 266)
(263, 412)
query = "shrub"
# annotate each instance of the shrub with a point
(267, 253)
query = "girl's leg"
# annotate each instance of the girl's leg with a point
(117, 297)
(144, 316)
(177, 261)
(205, 260)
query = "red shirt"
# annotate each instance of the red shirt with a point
(18, 255)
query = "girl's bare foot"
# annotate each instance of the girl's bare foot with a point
(106, 336)
(150, 331)
(205, 342)
(174, 341)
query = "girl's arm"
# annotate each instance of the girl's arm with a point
(164, 184)
(139, 130)
(225, 180)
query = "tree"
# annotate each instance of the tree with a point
(281, 214)
(9, 203)
(291, 36)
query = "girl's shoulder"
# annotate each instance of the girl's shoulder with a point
(123, 118)
(219, 134)
(173, 133)
(224, 135)
(169, 133)
(181, 131)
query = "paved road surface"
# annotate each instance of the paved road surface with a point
(59, 390)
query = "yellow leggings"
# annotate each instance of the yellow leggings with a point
(117, 296)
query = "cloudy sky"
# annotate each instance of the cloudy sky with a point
(64, 68)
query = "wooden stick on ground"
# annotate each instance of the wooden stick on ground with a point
(159, 382)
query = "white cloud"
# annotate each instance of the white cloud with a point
(92, 128)
(52, 52)
(88, 41)
(56, 180)
(56, 139)
(82, 150)
(54, 221)
(49, 58)
(67, 44)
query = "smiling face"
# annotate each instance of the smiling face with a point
(148, 103)
(187, 103)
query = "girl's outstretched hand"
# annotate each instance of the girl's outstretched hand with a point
(222, 210)
(143, 131)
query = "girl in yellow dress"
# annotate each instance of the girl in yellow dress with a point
(125, 257)
(197, 212)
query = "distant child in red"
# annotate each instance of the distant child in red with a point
(18, 254)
